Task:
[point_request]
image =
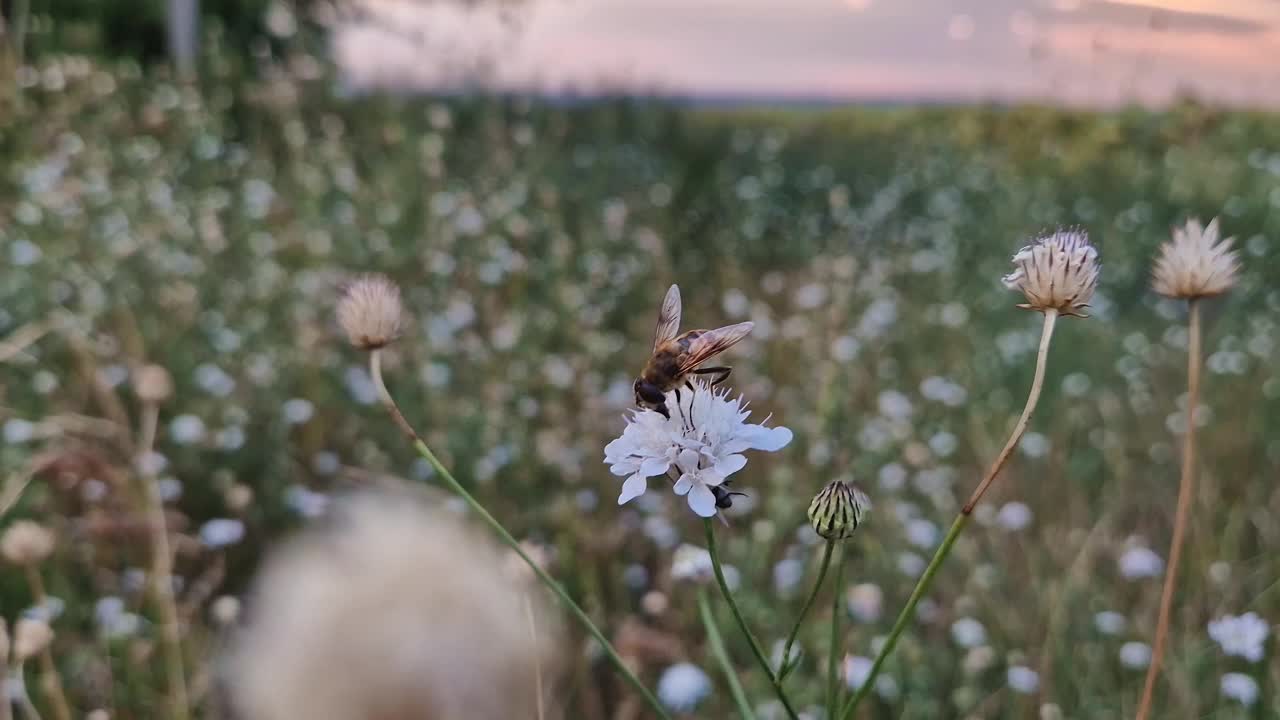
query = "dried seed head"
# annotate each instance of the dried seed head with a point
(370, 312)
(1195, 263)
(153, 384)
(26, 543)
(1056, 272)
(838, 510)
(30, 638)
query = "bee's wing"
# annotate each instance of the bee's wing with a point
(712, 342)
(668, 318)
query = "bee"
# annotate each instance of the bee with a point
(725, 496)
(677, 356)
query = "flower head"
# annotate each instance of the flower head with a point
(837, 510)
(30, 638)
(1056, 272)
(352, 620)
(370, 312)
(26, 543)
(153, 383)
(1195, 263)
(683, 686)
(1243, 636)
(702, 445)
(1239, 687)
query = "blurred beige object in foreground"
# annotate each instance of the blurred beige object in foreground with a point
(392, 611)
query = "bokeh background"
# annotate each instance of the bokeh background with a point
(189, 185)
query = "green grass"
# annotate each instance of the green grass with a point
(207, 229)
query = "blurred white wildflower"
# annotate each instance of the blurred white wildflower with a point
(30, 638)
(1110, 622)
(682, 686)
(865, 602)
(1022, 679)
(1135, 655)
(1140, 562)
(1014, 516)
(1239, 687)
(856, 670)
(1056, 272)
(968, 633)
(979, 659)
(370, 312)
(152, 383)
(221, 532)
(352, 621)
(703, 442)
(1242, 636)
(1195, 263)
(787, 574)
(27, 543)
(186, 429)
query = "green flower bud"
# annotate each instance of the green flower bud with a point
(838, 510)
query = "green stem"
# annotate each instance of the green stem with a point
(389, 403)
(742, 622)
(907, 614)
(804, 610)
(833, 654)
(722, 657)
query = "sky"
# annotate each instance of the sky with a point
(1078, 52)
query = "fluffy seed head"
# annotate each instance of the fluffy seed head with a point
(1056, 272)
(30, 638)
(153, 384)
(837, 510)
(27, 543)
(1195, 263)
(392, 611)
(370, 312)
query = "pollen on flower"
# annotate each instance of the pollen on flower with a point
(1195, 263)
(698, 447)
(1057, 272)
(370, 312)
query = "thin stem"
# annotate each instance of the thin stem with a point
(420, 446)
(722, 656)
(742, 622)
(537, 663)
(28, 708)
(50, 680)
(1186, 493)
(833, 652)
(804, 610)
(1033, 398)
(162, 573)
(908, 612)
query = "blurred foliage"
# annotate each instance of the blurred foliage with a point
(208, 228)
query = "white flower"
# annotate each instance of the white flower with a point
(1242, 636)
(1109, 622)
(1056, 272)
(703, 443)
(682, 686)
(865, 602)
(1140, 562)
(1135, 655)
(856, 671)
(968, 633)
(1023, 679)
(1239, 687)
(1194, 263)
(691, 562)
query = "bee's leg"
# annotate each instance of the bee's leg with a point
(680, 409)
(693, 395)
(721, 374)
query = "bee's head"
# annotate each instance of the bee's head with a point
(650, 396)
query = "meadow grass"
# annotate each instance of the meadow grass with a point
(208, 229)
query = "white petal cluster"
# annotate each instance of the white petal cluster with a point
(1056, 272)
(1242, 636)
(1195, 263)
(701, 445)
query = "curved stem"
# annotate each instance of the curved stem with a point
(50, 680)
(833, 653)
(742, 622)
(804, 610)
(908, 611)
(389, 403)
(722, 657)
(1186, 492)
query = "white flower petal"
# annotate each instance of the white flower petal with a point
(633, 488)
(764, 438)
(684, 484)
(703, 501)
(654, 466)
(687, 460)
(727, 466)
